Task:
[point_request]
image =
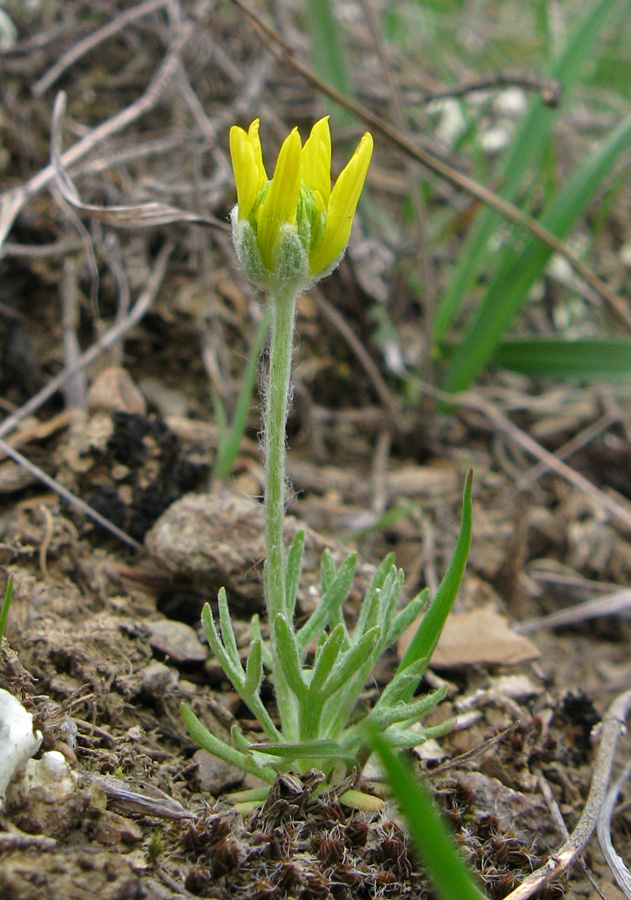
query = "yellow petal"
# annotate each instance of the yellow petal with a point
(341, 207)
(247, 163)
(281, 203)
(255, 142)
(316, 160)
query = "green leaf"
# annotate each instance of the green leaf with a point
(436, 848)
(371, 598)
(388, 601)
(292, 572)
(325, 660)
(305, 750)
(428, 632)
(385, 715)
(407, 615)
(330, 604)
(583, 360)
(227, 631)
(213, 745)
(255, 634)
(352, 662)
(236, 675)
(397, 687)
(289, 658)
(327, 570)
(254, 669)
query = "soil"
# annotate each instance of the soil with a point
(104, 640)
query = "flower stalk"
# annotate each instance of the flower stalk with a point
(283, 304)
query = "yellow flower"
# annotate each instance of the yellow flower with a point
(293, 229)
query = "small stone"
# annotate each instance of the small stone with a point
(158, 678)
(114, 391)
(215, 775)
(168, 401)
(177, 641)
(113, 829)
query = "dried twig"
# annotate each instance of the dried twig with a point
(67, 495)
(12, 201)
(549, 89)
(611, 727)
(472, 400)
(109, 339)
(93, 40)
(136, 215)
(609, 605)
(615, 863)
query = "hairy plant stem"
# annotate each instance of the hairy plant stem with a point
(283, 305)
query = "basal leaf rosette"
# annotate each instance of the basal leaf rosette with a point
(292, 230)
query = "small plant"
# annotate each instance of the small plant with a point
(289, 232)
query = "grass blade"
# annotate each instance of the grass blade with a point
(428, 632)
(434, 845)
(527, 146)
(230, 438)
(519, 270)
(4, 612)
(329, 58)
(584, 360)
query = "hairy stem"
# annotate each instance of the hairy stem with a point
(283, 305)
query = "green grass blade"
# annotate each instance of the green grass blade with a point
(583, 360)
(327, 51)
(230, 438)
(518, 271)
(428, 632)
(4, 612)
(527, 146)
(434, 845)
